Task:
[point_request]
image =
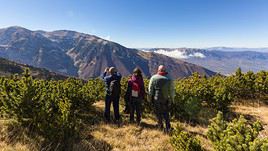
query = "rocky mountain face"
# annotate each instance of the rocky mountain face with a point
(84, 55)
(24, 46)
(221, 59)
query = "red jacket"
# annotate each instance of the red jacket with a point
(139, 81)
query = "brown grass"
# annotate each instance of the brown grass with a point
(131, 137)
(13, 138)
(146, 137)
(15, 147)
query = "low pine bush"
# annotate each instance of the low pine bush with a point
(237, 135)
(183, 141)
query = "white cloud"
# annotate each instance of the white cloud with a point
(145, 50)
(174, 53)
(180, 54)
(198, 55)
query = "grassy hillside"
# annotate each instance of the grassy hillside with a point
(147, 137)
(8, 68)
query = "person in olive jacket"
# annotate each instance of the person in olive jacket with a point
(161, 93)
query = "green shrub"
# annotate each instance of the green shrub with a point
(186, 108)
(237, 135)
(259, 145)
(48, 108)
(183, 141)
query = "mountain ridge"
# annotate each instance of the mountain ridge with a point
(83, 55)
(219, 60)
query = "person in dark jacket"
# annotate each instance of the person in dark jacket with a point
(135, 93)
(126, 99)
(112, 80)
(161, 93)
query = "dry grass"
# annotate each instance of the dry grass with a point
(15, 147)
(131, 137)
(145, 137)
(14, 140)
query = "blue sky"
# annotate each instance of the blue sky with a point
(148, 23)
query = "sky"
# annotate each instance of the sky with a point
(148, 23)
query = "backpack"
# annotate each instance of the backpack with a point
(135, 89)
(115, 88)
(158, 90)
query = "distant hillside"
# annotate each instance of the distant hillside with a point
(84, 55)
(8, 68)
(221, 59)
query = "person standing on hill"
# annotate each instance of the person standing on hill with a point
(126, 99)
(161, 93)
(113, 90)
(135, 95)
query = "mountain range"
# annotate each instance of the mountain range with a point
(83, 55)
(223, 60)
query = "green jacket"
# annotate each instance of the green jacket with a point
(161, 88)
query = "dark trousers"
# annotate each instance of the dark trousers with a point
(162, 113)
(135, 106)
(108, 101)
(127, 104)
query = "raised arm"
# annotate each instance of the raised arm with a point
(103, 75)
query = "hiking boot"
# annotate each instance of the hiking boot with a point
(138, 123)
(160, 126)
(126, 111)
(131, 121)
(168, 131)
(107, 121)
(118, 123)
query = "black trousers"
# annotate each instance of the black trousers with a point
(127, 104)
(108, 101)
(135, 106)
(162, 113)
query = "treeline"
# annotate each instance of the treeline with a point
(217, 92)
(55, 109)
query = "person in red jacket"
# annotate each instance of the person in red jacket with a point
(135, 93)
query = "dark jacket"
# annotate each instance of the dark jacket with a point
(108, 78)
(139, 80)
